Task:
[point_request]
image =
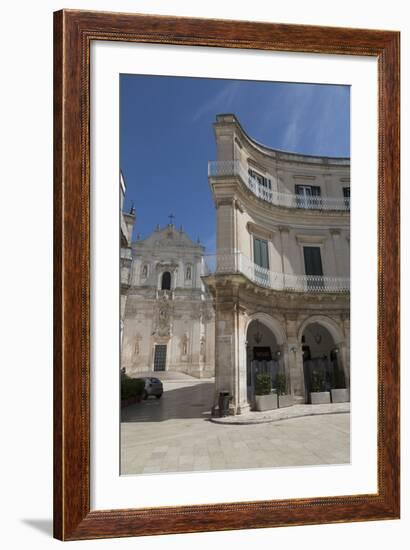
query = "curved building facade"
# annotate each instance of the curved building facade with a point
(280, 277)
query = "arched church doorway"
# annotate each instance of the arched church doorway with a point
(264, 356)
(321, 363)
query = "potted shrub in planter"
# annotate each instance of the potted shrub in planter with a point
(132, 390)
(284, 398)
(318, 395)
(265, 400)
(340, 394)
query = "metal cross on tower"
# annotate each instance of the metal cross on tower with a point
(171, 217)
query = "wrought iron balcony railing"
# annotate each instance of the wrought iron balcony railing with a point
(228, 168)
(236, 262)
(125, 253)
(165, 294)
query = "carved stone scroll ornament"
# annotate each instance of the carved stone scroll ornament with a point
(163, 318)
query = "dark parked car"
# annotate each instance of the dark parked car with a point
(154, 387)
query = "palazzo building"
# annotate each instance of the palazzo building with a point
(127, 222)
(280, 277)
(168, 316)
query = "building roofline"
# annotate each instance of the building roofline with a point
(234, 120)
(192, 244)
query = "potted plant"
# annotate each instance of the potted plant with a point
(340, 394)
(265, 399)
(132, 390)
(319, 395)
(284, 398)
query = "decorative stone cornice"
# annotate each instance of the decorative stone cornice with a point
(228, 201)
(256, 165)
(166, 266)
(311, 239)
(239, 206)
(304, 177)
(259, 230)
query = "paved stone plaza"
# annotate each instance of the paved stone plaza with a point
(174, 434)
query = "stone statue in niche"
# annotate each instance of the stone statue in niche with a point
(185, 344)
(163, 318)
(188, 273)
(137, 347)
(202, 346)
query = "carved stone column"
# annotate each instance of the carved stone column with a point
(295, 361)
(284, 239)
(336, 250)
(225, 225)
(241, 401)
(344, 349)
(344, 361)
(297, 379)
(224, 344)
(230, 348)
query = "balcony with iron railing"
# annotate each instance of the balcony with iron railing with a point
(226, 168)
(126, 254)
(164, 294)
(237, 263)
(125, 276)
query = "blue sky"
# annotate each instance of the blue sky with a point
(167, 138)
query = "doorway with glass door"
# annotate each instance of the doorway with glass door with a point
(160, 357)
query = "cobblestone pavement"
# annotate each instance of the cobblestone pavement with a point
(173, 434)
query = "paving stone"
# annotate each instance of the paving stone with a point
(166, 443)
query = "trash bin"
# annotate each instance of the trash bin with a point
(223, 402)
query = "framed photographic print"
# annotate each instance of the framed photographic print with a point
(226, 346)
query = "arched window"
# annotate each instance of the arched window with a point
(166, 281)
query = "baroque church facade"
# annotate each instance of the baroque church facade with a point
(168, 315)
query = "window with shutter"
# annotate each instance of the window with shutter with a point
(313, 266)
(313, 260)
(261, 259)
(346, 195)
(260, 253)
(307, 196)
(261, 180)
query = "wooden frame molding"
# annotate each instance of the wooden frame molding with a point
(73, 33)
